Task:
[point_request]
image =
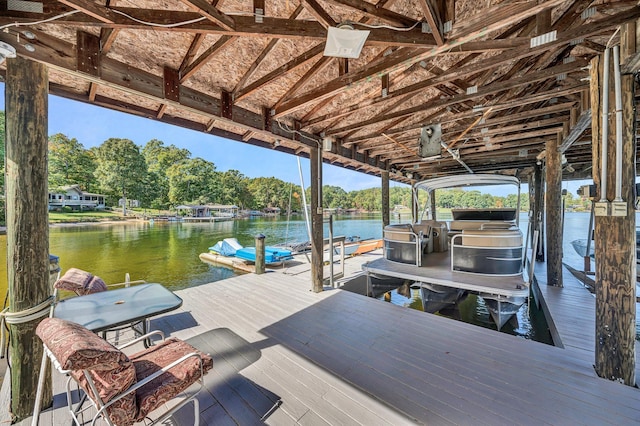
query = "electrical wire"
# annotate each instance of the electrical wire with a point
(286, 128)
(44, 21)
(389, 27)
(153, 24)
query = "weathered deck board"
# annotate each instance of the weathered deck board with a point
(340, 358)
(572, 309)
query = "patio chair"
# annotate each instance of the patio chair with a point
(124, 389)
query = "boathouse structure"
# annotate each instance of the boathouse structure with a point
(544, 90)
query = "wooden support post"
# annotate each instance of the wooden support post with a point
(317, 257)
(615, 266)
(553, 212)
(414, 204)
(538, 213)
(385, 198)
(434, 215)
(26, 92)
(260, 252)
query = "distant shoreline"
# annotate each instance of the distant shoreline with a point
(3, 229)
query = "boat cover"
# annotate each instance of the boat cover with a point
(271, 254)
(226, 247)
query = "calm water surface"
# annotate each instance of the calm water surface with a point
(168, 253)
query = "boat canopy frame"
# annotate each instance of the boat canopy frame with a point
(457, 181)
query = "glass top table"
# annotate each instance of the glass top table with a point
(114, 308)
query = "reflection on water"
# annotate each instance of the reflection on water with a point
(167, 253)
(528, 323)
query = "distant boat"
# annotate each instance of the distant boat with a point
(230, 247)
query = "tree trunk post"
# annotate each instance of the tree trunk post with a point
(538, 213)
(615, 266)
(553, 212)
(260, 253)
(385, 199)
(317, 258)
(26, 92)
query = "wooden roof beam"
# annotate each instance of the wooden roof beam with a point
(319, 13)
(398, 58)
(209, 11)
(280, 71)
(191, 52)
(484, 91)
(374, 11)
(245, 26)
(432, 15)
(207, 55)
(263, 54)
(313, 71)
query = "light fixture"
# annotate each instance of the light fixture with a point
(344, 41)
(276, 143)
(327, 143)
(6, 51)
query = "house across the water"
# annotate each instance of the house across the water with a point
(75, 198)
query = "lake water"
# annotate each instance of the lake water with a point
(168, 253)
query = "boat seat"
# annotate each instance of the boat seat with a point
(492, 238)
(461, 225)
(401, 232)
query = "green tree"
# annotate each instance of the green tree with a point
(269, 192)
(159, 159)
(234, 189)
(121, 169)
(70, 164)
(335, 197)
(192, 181)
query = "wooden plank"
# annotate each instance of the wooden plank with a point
(88, 53)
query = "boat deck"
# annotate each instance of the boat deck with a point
(436, 269)
(338, 358)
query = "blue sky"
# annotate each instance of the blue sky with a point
(92, 125)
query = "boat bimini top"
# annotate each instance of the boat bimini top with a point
(456, 181)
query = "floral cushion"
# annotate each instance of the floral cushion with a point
(81, 282)
(78, 349)
(171, 383)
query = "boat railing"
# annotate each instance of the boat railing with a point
(497, 252)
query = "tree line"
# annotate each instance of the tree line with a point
(164, 176)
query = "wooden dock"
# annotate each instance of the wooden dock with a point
(338, 358)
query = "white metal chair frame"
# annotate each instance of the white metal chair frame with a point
(101, 407)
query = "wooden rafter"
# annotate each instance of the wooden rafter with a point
(265, 52)
(279, 72)
(432, 15)
(194, 66)
(210, 12)
(319, 13)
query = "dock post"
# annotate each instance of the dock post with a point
(317, 255)
(615, 224)
(26, 97)
(385, 198)
(260, 254)
(553, 210)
